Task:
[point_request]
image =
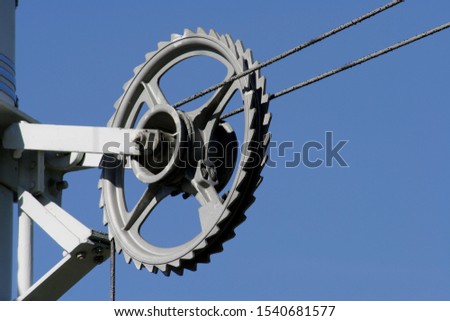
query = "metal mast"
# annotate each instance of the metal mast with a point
(7, 98)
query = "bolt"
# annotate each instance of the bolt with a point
(212, 173)
(204, 171)
(81, 256)
(156, 141)
(61, 185)
(98, 250)
(139, 138)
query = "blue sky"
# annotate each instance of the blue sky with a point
(376, 230)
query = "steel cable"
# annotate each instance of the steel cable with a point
(112, 275)
(290, 52)
(349, 65)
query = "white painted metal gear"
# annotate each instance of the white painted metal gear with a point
(184, 171)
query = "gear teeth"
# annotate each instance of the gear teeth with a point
(266, 139)
(164, 269)
(248, 54)
(224, 216)
(204, 259)
(202, 245)
(188, 32)
(117, 103)
(234, 197)
(117, 245)
(188, 256)
(264, 160)
(249, 98)
(214, 34)
(127, 84)
(241, 187)
(162, 44)
(126, 257)
(230, 44)
(151, 268)
(190, 265)
(179, 271)
(229, 41)
(254, 64)
(214, 231)
(110, 122)
(250, 201)
(252, 134)
(101, 203)
(260, 180)
(261, 82)
(241, 60)
(201, 31)
(149, 55)
(243, 218)
(231, 234)
(245, 81)
(254, 121)
(217, 248)
(137, 264)
(223, 39)
(176, 269)
(239, 47)
(175, 264)
(175, 36)
(267, 119)
(138, 68)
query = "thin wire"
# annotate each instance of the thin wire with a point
(349, 65)
(112, 275)
(290, 52)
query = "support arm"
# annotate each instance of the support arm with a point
(84, 248)
(78, 139)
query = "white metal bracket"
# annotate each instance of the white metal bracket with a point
(83, 248)
(77, 139)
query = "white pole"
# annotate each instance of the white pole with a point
(24, 254)
(7, 97)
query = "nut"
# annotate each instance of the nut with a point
(81, 256)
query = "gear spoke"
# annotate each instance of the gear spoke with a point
(153, 93)
(206, 117)
(148, 201)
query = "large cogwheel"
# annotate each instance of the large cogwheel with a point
(181, 157)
